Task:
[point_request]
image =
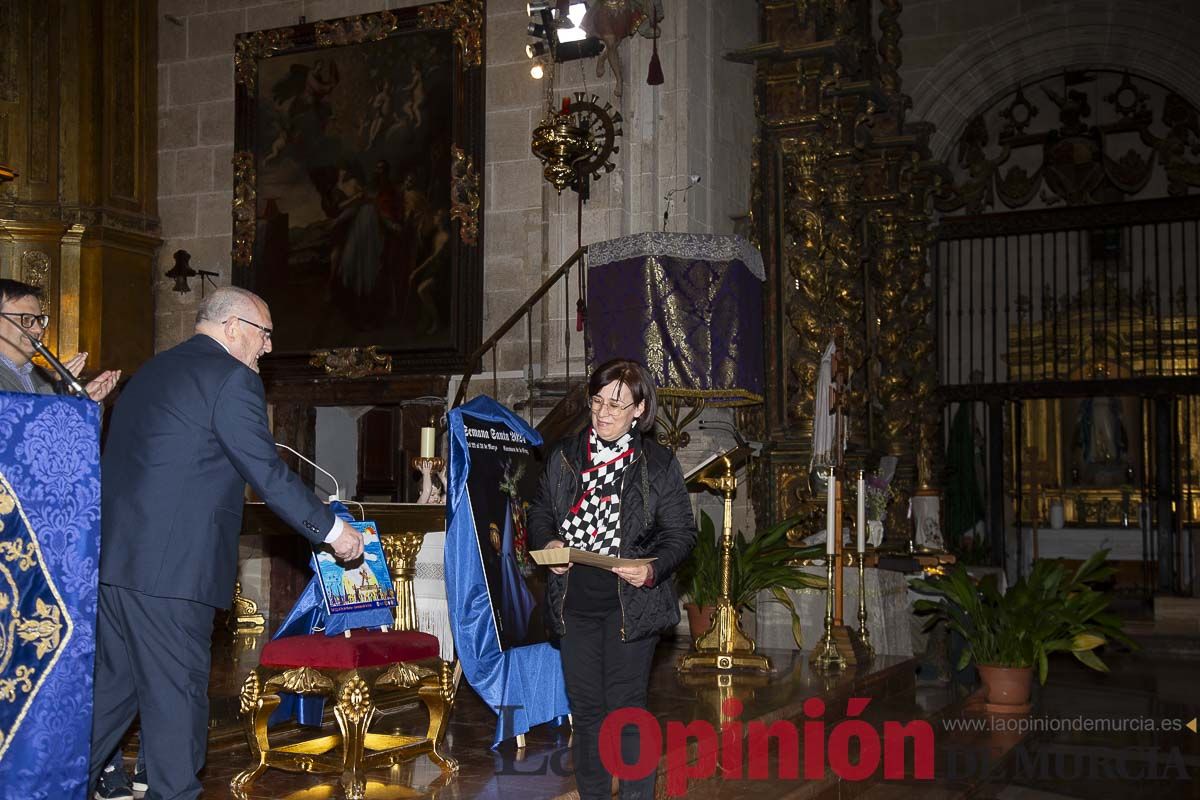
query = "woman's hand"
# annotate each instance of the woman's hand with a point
(635, 576)
(562, 570)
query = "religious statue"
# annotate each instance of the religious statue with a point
(1100, 431)
(611, 21)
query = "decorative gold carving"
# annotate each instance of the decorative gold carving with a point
(356, 30)
(251, 689)
(400, 551)
(35, 268)
(464, 196)
(244, 208)
(449, 680)
(352, 362)
(9, 52)
(41, 46)
(890, 56)
(250, 47)
(354, 699)
(404, 674)
(244, 616)
(302, 680)
(465, 18)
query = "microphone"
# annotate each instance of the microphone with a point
(337, 487)
(692, 181)
(718, 425)
(73, 385)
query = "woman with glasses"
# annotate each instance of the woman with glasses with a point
(612, 490)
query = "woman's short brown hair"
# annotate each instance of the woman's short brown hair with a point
(633, 375)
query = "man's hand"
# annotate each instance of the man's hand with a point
(562, 570)
(349, 545)
(99, 386)
(75, 363)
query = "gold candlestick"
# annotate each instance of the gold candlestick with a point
(725, 645)
(828, 657)
(864, 636)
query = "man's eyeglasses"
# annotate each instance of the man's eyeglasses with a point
(266, 331)
(27, 320)
(611, 406)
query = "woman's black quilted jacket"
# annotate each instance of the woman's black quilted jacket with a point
(656, 522)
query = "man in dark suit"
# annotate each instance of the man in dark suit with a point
(187, 434)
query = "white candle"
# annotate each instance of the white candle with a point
(428, 437)
(830, 536)
(862, 514)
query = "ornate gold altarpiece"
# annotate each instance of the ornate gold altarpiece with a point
(78, 123)
(1048, 428)
(841, 188)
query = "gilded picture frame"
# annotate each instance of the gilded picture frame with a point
(358, 148)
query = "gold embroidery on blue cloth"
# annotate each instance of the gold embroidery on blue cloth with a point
(43, 635)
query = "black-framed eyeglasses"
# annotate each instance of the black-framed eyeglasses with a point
(266, 331)
(27, 320)
(613, 407)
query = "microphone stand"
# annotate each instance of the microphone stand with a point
(69, 380)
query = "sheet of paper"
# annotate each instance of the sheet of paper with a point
(557, 556)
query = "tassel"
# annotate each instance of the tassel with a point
(655, 76)
(580, 314)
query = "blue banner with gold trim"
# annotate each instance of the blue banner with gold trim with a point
(49, 553)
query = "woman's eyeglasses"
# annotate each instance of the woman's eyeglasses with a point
(27, 320)
(612, 406)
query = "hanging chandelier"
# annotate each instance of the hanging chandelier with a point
(576, 142)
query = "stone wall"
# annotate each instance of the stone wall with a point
(959, 55)
(700, 121)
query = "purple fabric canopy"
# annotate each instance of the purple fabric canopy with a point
(688, 306)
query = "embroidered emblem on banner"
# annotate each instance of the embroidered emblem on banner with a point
(34, 624)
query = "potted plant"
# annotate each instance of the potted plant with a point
(1008, 635)
(763, 562)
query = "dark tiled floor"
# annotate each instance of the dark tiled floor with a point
(1039, 765)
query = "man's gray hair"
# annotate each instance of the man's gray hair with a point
(226, 302)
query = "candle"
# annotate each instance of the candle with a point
(428, 437)
(862, 513)
(830, 536)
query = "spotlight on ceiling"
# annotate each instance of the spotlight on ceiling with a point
(573, 33)
(536, 31)
(536, 49)
(538, 6)
(537, 71)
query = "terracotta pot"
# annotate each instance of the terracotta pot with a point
(699, 618)
(1007, 688)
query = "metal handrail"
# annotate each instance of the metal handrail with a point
(490, 343)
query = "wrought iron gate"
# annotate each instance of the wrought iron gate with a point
(1077, 332)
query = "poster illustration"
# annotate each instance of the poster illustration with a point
(499, 458)
(364, 584)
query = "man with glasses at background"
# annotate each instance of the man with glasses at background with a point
(21, 310)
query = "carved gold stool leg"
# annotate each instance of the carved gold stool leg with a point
(354, 711)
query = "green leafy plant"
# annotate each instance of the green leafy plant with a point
(761, 563)
(1050, 611)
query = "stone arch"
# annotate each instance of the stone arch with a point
(1097, 34)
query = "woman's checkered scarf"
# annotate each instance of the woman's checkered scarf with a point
(594, 522)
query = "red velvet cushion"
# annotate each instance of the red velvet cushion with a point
(362, 649)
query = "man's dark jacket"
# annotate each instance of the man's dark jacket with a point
(656, 522)
(186, 436)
